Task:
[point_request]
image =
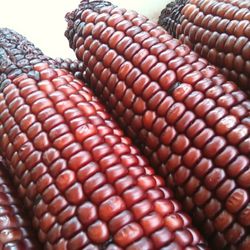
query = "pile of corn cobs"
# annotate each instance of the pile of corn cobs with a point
(83, 183)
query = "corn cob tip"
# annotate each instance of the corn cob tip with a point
(171, 5)
(18, 55)
(70, 17)
(170, 15)
(86, 4)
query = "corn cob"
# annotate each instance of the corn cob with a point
(189, 121)
(15, 229)
(218, 30)
(88, 186)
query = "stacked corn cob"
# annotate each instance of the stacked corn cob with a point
(188, 119)
(217, 30)
(88, 186)
(15, 229)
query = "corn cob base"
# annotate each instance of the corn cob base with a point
(186, 117)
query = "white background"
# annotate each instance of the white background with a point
(43, 23)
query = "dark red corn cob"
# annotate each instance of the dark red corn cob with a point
(88, 186)
(15, 228)
(189, 121)
(218, 30)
